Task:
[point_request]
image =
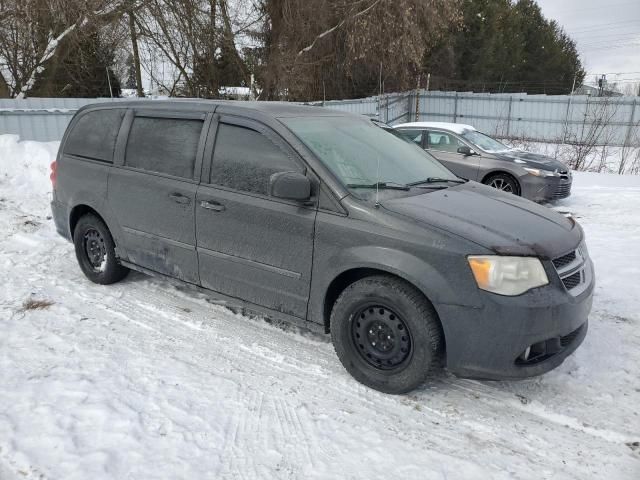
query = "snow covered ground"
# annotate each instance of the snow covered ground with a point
(143, 380)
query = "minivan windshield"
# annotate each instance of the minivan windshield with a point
(484, 142)
(361, 154)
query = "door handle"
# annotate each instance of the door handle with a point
(179, 198)
(211, 205)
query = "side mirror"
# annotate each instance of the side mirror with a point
(290, 185)
(465, 150)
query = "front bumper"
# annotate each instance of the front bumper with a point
(545, 189)
(489, 342)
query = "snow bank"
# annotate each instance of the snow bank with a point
(25, 165)
(143, 380)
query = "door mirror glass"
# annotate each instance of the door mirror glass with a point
(290, 185)
(465, 150)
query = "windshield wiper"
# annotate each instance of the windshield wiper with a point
(380, 185)
(437, 180)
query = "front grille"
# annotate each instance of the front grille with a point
(572, 281)
(562, 190)
(564, 260)
(573, 270)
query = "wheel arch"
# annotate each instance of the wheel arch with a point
(78, 212)
(352, 275)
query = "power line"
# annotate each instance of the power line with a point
(614, 46)
(600, 7)
(607, 36)
(601, 26)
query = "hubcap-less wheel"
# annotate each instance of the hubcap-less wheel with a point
(381, 337)
(501, 184)
(95, 250)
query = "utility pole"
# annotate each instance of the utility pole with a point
(602, 83)
(380, 94)
(136, 53)
(418, 99)
(109, 81)
(426, 96)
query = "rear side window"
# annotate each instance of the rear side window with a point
(164, 145)
(94, 135)
(413, 135)
(244, 159)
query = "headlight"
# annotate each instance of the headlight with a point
(540, 173)
(507, 275)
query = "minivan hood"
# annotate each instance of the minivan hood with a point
(533, 160)
(501, 222)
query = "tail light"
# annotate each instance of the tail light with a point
(54, 173)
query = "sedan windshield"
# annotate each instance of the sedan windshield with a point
(484, 142)
(361, 154)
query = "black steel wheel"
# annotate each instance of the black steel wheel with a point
(386, 333)
(381, 337)
(95, 251)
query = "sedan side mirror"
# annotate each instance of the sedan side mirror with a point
(465, 150)
(290, 185)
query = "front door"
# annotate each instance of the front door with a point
(152, 191)
(444, 146)
(252, 246)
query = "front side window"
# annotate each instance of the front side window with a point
(164, 145)
(94, 134)
(244, 159)
(484, 142)
(359, 153)
(444, 142)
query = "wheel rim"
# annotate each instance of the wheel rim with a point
(381, 337)
(501, 184)
(95, 250)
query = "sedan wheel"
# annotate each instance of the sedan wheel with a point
(504, 183)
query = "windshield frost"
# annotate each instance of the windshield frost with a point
(352, 148)
(484, 142)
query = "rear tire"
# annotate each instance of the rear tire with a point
(386, 333)
(503, 182)
(95, 251)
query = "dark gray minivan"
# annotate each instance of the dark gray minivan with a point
(320, 218)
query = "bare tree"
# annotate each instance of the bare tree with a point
(32, 30)
(335, 47)
(197, 39)
(596, 129)
(630, 150)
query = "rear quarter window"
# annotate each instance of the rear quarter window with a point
(94, 134)
(164, 145)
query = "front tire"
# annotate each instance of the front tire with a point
(95, 251)
(503, 182)
(386, 333)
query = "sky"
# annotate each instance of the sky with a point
(607, 34)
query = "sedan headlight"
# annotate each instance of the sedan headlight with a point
(540, 173)
(507, 275)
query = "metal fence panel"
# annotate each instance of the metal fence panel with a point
(41, 119)
(544, 118)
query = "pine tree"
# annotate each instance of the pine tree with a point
(130, 82)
